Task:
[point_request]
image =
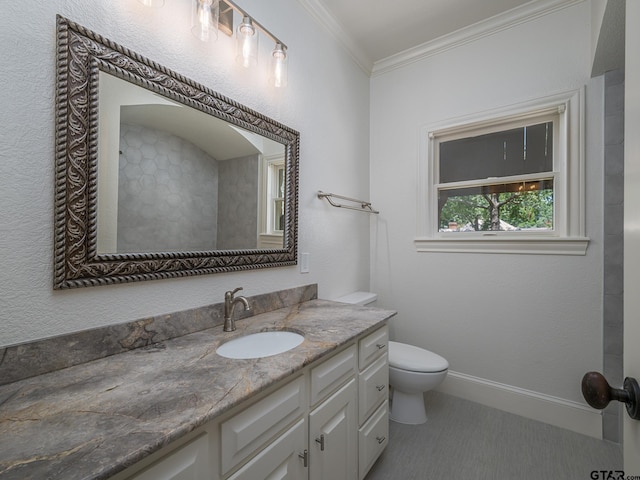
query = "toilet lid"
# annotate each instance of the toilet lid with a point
(415, 359)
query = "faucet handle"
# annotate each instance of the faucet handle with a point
(231, 293)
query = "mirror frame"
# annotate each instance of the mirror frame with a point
(81, 54)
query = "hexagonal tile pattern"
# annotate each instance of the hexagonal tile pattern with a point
(168, 193)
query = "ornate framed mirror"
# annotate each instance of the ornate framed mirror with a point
(158, 176)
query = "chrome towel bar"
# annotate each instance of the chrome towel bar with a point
(364, 206)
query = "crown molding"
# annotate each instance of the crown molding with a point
(336, 30)
(516, 16)
(511, 18)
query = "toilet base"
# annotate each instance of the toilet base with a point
(408, 408)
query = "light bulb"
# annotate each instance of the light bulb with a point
(278, 71)
(246, 43)
(204, 19)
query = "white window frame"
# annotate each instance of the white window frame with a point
(568, 235)
(267, 236)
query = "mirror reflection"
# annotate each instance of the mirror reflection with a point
(172, 178)
(158, 176)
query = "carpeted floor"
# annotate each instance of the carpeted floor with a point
(466, 440)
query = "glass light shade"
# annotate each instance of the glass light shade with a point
(247, 43)
(204, 19)
(152, 3)
(278, 71)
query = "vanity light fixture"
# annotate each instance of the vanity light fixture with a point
(247, 47)
(204, 19)
(278, 69)
(210, 16)
(152, 3)
(246, 43)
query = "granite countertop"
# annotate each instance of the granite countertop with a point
(93, 420)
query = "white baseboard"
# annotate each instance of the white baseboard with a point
(526, 403)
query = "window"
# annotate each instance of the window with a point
(509, 181)
(275, 212)
(272, 204)
(498, 181)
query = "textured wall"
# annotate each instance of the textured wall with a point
(529, 321)
(167, 193)
(327, 101)
(238, 213)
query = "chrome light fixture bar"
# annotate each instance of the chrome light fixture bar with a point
(247, 45)
(210, 16)
(259, 26)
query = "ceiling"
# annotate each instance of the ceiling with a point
(382, 28)
(374, 30)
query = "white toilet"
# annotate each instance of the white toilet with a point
(412, 371)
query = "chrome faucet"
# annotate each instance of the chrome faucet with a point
(229, 303)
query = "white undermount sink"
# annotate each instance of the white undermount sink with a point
(258, 345)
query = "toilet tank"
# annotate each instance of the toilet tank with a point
(358, 298)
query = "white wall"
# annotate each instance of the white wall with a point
(631, 440)
(529, 324)
(327, 101)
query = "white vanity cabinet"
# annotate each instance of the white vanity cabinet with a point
(333, 421)
(326, 422)
(329, 451)
(282, 459)
(333, 436)
(188, 462)
(257, 426)
(373, 400)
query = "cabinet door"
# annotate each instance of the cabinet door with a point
(190, 462)
(333, 427)
(282, 460)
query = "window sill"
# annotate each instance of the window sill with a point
(270, 240)
(523, 246)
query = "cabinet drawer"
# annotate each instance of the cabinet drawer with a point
(373, 345)
(373, 439)
(373, 385)
(252, 428)
(328, 376)
(280, 459)
(189, 462)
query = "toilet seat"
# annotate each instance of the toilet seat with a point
(415, 359)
